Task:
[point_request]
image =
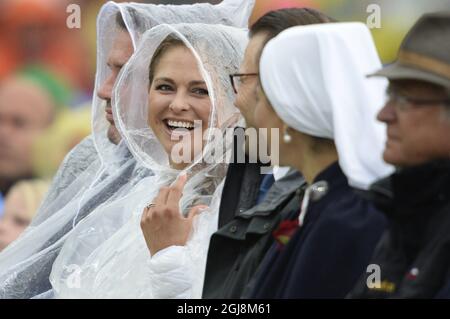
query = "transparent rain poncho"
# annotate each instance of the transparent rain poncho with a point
(96, 171)
(141, 17)
(106, 255)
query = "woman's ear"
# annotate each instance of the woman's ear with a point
(287, 138)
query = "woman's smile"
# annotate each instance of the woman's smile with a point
(179, 102)
(178, 127)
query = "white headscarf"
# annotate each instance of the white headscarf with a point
(96, 172)
(315, 79)
(107, 249)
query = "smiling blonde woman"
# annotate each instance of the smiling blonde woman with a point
(114, 257)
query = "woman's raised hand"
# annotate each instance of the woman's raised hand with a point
(162, 223)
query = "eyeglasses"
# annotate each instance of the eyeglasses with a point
(236, 79)
(403, 102)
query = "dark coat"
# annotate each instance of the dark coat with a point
(414, 253)
(236, 249)
(326, 255)
(240, 190)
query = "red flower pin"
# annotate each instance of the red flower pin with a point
(285, 231)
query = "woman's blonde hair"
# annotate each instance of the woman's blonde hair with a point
(168, 43)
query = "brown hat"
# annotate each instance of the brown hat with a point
(424, 53)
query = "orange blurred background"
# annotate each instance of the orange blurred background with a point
(35, 31)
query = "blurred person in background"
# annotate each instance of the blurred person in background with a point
(21, 204)
(70, 127)
(29, 101)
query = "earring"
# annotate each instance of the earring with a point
(286, 137)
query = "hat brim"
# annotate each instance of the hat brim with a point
(398, 71)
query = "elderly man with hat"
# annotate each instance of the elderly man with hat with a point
(412, 260)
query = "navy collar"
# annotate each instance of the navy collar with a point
(333, 175)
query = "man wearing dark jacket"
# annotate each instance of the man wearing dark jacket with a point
(412, 259)
(252, 204)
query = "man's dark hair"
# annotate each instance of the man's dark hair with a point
(274, 22)
(134, 16)
(120, 22)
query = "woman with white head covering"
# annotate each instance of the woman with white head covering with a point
(174, 89)
(97, 171)
(313, 89)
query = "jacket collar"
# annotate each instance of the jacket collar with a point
(277, 194)
(407, 191)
